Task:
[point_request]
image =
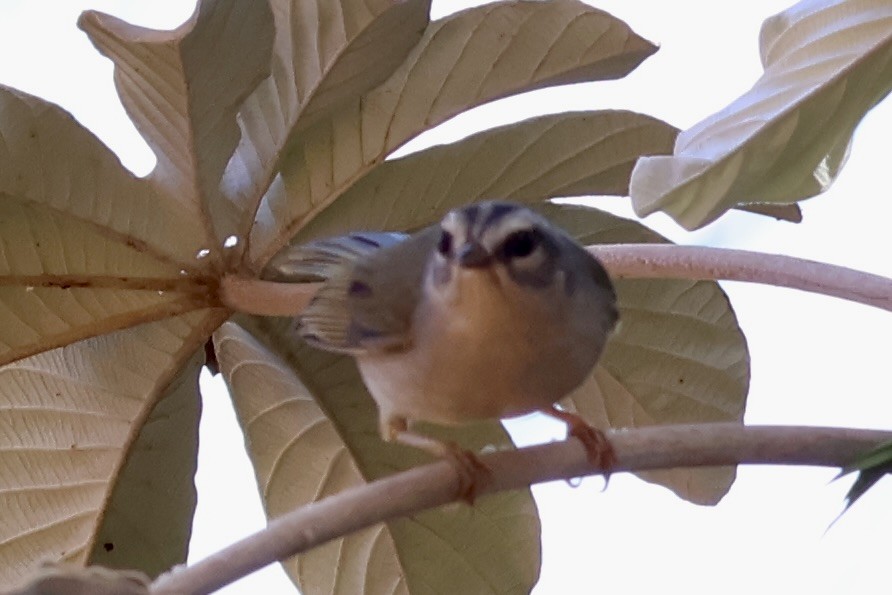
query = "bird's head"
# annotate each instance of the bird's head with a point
(498, 243)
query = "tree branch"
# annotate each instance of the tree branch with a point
(645, 261)
(639, 261)
(406, 493)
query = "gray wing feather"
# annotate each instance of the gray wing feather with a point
(321, 259)
(372, 285)
(597, 291)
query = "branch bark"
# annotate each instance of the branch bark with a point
(669, 261)
(406, 493)
(641, 261)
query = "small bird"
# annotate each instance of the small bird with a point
(492, 313)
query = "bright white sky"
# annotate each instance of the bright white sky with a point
(815, 360)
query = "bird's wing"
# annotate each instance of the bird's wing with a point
(595, 293)
(321, 259)
(372, 285)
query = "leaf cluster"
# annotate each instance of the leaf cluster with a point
(272, 123)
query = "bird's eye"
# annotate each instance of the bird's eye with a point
(444, 246)
(520, 244)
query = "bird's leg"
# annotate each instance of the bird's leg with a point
(472, 472)
(599, 450)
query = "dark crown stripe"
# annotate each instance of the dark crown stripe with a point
(497, 211)
(471, 213)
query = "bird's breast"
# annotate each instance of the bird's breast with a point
(478, 354)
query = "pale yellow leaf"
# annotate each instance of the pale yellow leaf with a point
(605, 402)
(48, 160)
(677, 356)
(464, 60)
(325, 54)
(183, 89)
(827, 62)
(570, 154)
(97, 439)
(312, 430)
(70, 421)
(85, 248)
(147, 518)
(375, 38)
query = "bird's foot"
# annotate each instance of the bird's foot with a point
(598, 449)
(472, 472)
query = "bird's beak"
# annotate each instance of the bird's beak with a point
(473, 256)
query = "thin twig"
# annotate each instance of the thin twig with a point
(432, 485)
(640, 261)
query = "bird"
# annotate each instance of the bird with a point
(492, 313)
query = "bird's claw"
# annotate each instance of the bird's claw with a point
(472, 472)
(598, 449)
